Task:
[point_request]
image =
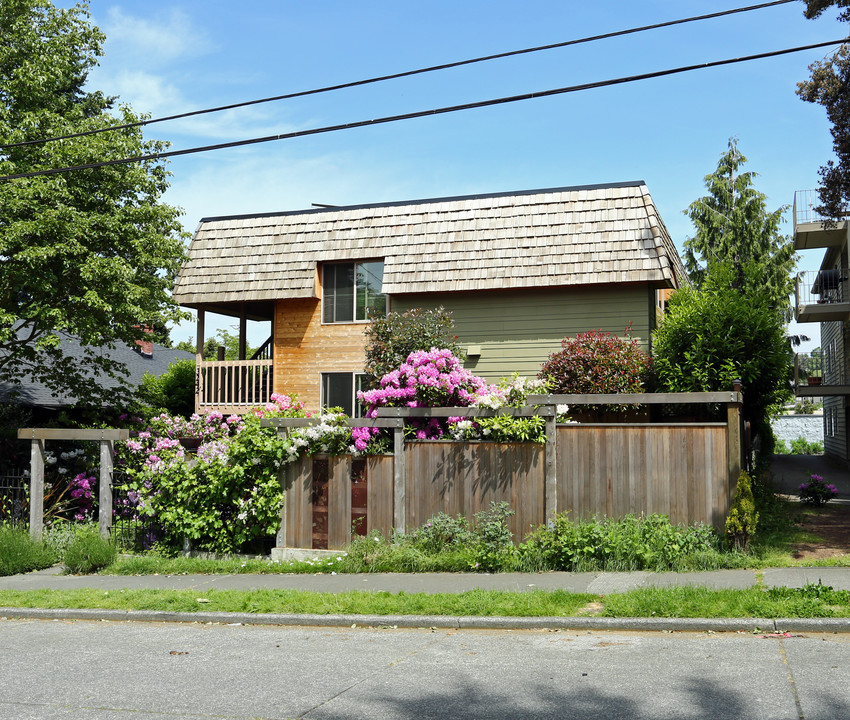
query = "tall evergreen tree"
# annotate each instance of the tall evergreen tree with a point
(91, 253)
(734, 227)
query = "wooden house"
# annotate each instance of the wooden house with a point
(518, 270)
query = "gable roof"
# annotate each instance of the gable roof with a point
(34, 393)
(557, 237)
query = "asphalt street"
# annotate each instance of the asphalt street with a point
(123, 670)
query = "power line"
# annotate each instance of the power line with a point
(407, 73)
(423, 113)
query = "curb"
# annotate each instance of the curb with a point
(766, 625)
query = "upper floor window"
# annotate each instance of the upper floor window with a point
(351, 292)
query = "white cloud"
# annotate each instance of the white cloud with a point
(145, 92)
(157, 40)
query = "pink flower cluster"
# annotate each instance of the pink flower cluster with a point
(280, 404)
(434, 378)
(81, 491)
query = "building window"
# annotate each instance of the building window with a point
(340, 390)
(351, 292)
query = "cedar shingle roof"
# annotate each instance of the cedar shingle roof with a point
(541, 238)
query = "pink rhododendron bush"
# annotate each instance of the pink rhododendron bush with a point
(211, 479)
(436, 378)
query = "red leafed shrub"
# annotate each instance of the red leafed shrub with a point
(597, 362)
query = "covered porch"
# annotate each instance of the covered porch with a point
(234, 385)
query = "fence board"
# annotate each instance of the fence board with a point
(299, 509)
(339, 502)
(379, 503)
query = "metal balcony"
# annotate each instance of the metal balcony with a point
(809, 231)
(822, 295)
(816, 375)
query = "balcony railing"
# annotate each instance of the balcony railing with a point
(809, 230)
(820, 375)
(233, 386)
(822, 295)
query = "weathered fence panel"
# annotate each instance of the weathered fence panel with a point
(675, 470)
(686, 470)
(299, 504)
(379, 499)
(464, 478)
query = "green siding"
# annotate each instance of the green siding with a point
(518, 329)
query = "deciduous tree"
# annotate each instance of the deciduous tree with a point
(829, 85)
(90, 253)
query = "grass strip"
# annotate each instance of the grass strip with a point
(698, 602)
(682, 602)
(474, 602)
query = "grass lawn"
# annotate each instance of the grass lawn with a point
(682, 602)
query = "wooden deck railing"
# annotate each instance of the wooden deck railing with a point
(231, 386)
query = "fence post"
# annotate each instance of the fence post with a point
(550, 504)
(734, 445)
(36, 489)
(399, 480)
(104, 513)
(285, 478)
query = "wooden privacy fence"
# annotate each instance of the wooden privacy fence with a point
(686, 470)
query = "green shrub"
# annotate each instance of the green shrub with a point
(801, 446)
(440, 533)
(493, 539)
(631, 543)
(88, 552)
(743, 518)
(173, 391)
(59, 535)
(392, 337)
(20, 554)
(597, 362)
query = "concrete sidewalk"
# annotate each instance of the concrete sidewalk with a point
(597, 583)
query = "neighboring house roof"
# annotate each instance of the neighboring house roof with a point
(36, 394)
(538, 238)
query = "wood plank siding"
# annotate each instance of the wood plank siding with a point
(518, 330)
(304, 348)
(835, 341)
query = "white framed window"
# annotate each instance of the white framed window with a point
(830, 418)
(352, 292)
(340, 390)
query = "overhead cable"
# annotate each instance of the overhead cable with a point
(394, 76)
(422, 113)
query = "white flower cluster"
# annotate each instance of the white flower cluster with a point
(493, 400)
(318, 437)
(459, 430)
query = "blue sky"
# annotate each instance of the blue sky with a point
(168, 57)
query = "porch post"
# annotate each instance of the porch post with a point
(243, 333)
(200, 390)
(36, 489)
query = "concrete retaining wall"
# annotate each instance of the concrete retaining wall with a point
(791, 427)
